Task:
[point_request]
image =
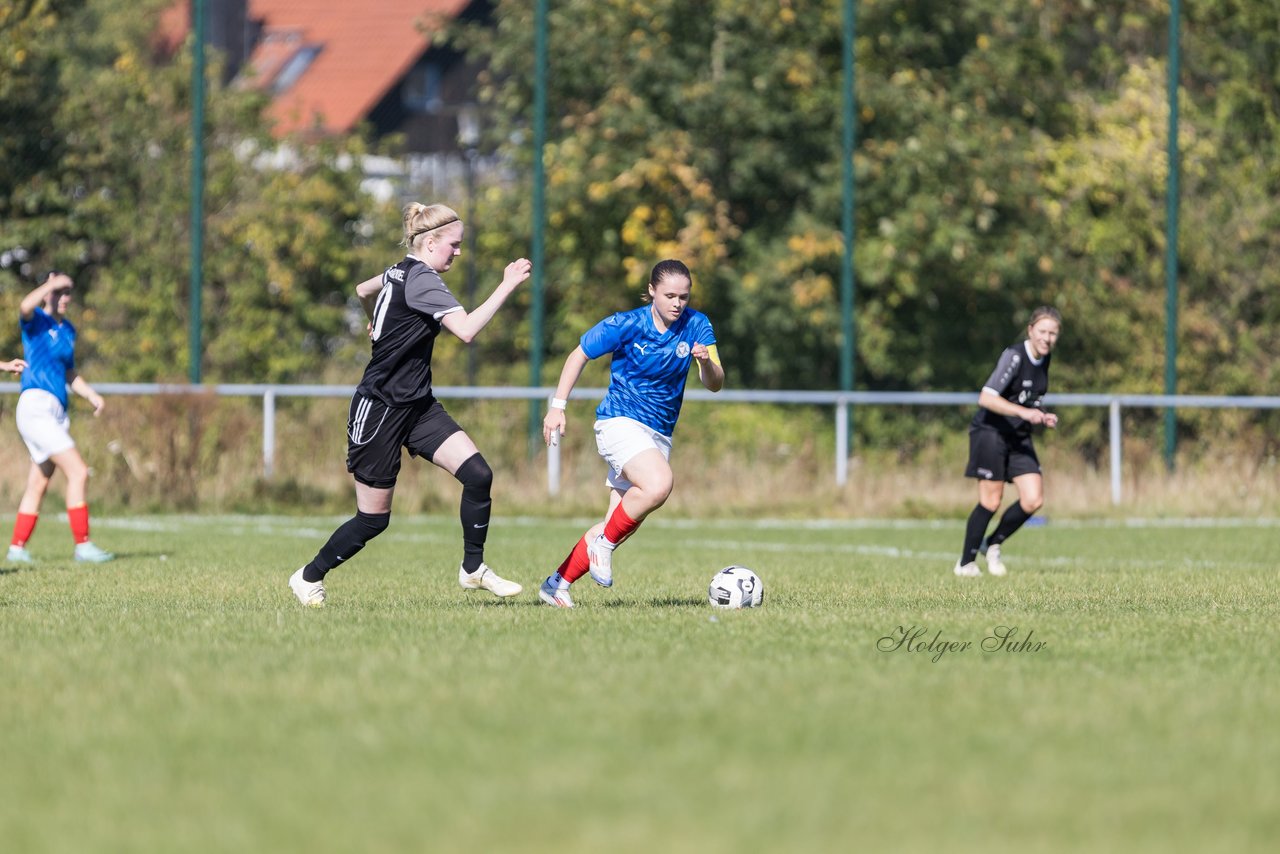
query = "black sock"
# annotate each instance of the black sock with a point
(345, 542)
(1011, 521)
(974, 531)
(476, 478)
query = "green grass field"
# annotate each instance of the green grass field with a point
(180, 700)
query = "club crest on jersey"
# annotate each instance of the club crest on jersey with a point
(682, 349)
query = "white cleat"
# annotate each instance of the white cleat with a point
(553, 594)
(485, 578)
(967, 570)
(309, 593)
(600, 562)
(995, 566)
(18, 554)
(87, 552)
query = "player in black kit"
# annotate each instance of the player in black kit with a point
(394, 408)
(1000, 448)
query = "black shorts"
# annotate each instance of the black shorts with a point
(376, 433)
(996, 456)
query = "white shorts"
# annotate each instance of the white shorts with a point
(43, 424)
(620, 439)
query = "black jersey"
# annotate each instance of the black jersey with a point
(1017, 379)
(406, 321)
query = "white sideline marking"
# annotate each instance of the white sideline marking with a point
(445, 532)
(1029, 558)
(290, 523)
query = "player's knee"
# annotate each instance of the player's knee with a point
(667, 486)
(658, 489)
(474, 473)
(1031, 503)
(77, 475)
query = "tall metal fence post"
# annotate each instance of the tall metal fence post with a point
(842, 443)
(553, 468)
(1116, 466)
(1171, 241)
(268, 433)
(195, 296)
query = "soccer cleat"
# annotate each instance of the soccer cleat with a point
(485, 578)
(600, 562)
(967, 570)
(89, 553)
(309, 593)
(17, 554)
(554, 595)
(995, 566)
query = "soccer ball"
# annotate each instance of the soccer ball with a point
(736, 587)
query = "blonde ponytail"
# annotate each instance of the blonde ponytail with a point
(420, 219)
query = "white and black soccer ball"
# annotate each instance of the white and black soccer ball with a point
(736, 587)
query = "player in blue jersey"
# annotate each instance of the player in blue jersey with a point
(1000, 447)
(652, 349)
(49, 344)
(394, 409)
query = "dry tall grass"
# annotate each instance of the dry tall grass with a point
(204, 453)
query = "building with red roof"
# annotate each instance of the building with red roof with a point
(332, 65)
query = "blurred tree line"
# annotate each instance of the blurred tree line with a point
(1010, 153)
(95, 177)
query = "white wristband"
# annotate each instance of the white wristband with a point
(558, 403)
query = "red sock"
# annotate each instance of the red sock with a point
(79, 519)
(576, 564)
(23, 526)
(620, 526)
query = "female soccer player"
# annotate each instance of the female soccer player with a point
(49, 344)
(652, 348)
(1000, 447)
(393, 406)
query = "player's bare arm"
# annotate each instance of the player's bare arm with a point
(34, 299)
(82, 388)
(710, 371)
(553, 425)
(466, 325)
(367, 292)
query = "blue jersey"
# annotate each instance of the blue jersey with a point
(50, 350)
(649, 367)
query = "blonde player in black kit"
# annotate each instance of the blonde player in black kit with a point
(1000, 448)
(393, 407)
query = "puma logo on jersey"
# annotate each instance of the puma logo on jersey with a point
(638, 347)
